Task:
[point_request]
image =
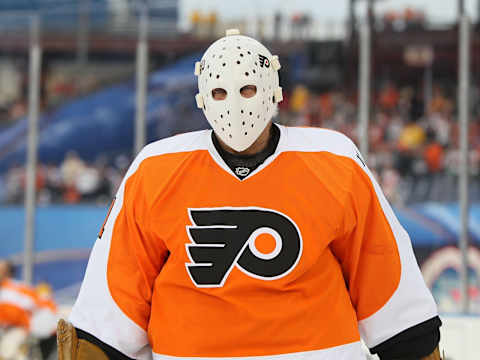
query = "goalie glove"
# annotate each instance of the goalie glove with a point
(434, 356)
(71, 348)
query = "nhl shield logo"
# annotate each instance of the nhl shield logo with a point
(242, 171)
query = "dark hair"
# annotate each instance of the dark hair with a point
(10, 268)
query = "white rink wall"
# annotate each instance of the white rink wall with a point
(460, 337)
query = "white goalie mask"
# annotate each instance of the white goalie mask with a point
(232, 63)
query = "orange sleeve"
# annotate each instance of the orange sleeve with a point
(114, 301)
(375, 253)
(367, 251)
(136, 256)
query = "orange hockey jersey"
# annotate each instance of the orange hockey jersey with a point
(18, 302)
(299, 260)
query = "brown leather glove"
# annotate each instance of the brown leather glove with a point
(71, 348)
(433, 356)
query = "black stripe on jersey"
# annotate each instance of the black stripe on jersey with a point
(412, 344)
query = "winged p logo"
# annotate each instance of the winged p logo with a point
(264, 61)
(222, 238)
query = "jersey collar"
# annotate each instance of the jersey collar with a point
(219, 160)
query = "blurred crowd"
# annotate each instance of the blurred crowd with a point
(413, 148)
(413, 143)
(61, 82)
(71, 182)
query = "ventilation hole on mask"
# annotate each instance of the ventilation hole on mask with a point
(230, 136)
(256, 63)
(252, 125)
(218, 76)
(229, 125)
(210, 74)
(254, 71)
(251, 113)
(263, 102)
(241, 111)
(241, 55)
(243, 123)
(238, 47)
(228, 112)
(246, 74)
(249, 53)
(215, 121)
(208, 66)
(238, 62)
(223, 129)
(224, 64)
(221, 116)
(258, 116)
(213, 55)
(221, 56)
(246, 133)
(273, 99)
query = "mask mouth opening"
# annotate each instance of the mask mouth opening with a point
(219, 94)
(248, 91)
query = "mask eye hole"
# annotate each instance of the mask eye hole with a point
(248, 91)
(219, 94)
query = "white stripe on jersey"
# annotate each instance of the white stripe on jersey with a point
(352, 351)
(12, 297)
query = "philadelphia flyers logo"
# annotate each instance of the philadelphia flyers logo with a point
(263, 61)
(222, 238)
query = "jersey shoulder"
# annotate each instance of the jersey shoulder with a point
(307, 139)
(191, 141)
(178, 144)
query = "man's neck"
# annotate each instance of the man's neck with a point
(242, 163)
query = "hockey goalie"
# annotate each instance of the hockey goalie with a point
(250, 241)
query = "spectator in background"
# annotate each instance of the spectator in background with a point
(439, 103)
(433, 153)
(14, 181)
(389, 96)
(390, 180)
(411, 139)
(417, 106)
(433, 156)
(71, 169)
(54, 183)
(25, 311)
(87, 182)
(299, 99)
